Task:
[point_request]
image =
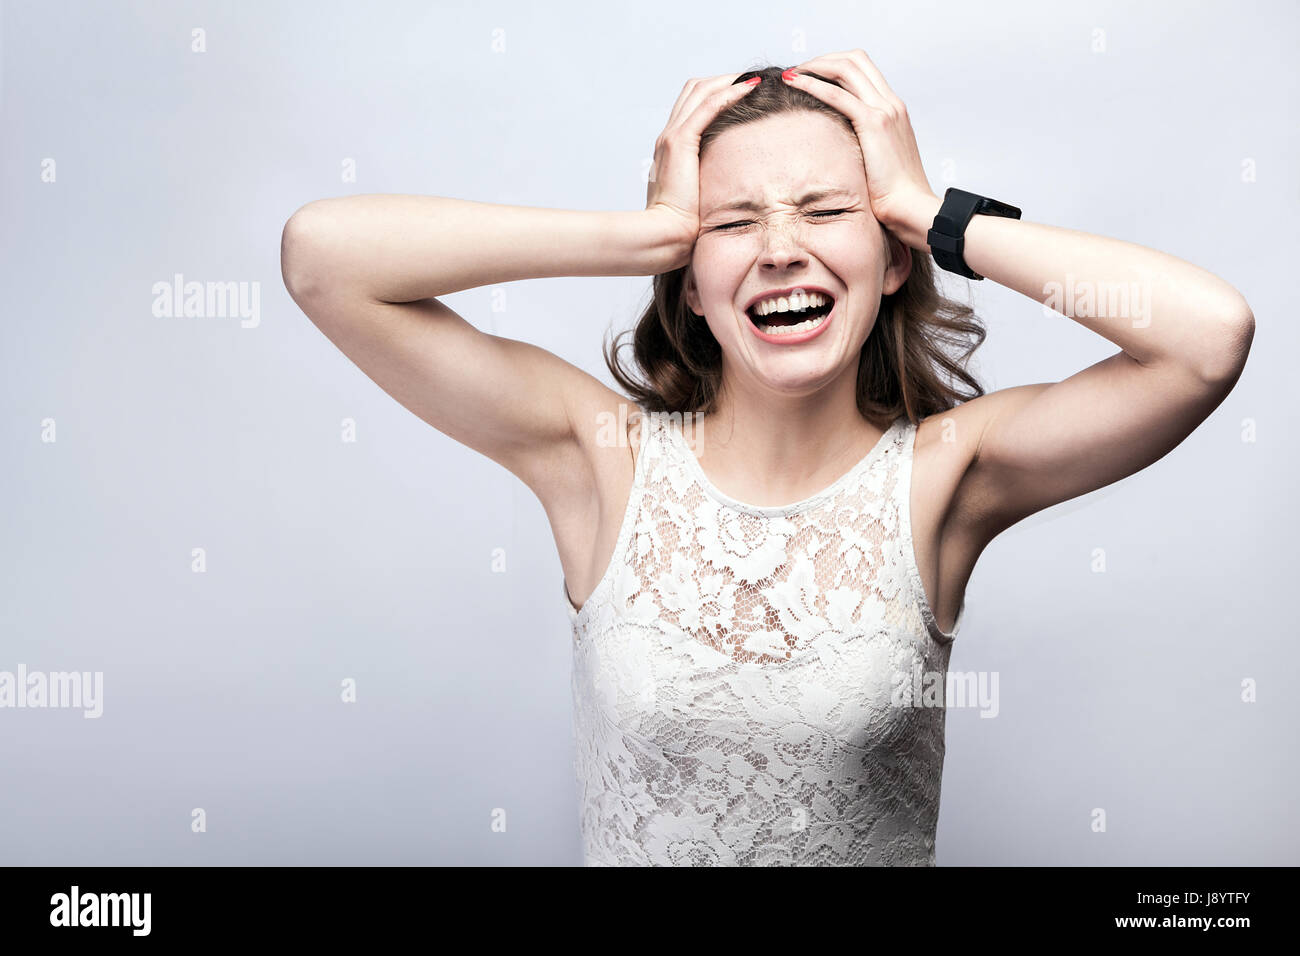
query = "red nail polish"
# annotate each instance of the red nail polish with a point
(752, 81)
(789, 74)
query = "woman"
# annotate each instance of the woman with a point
(765, 573)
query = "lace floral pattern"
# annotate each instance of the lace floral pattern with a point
(743, 677)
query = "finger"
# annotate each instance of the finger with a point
(877, 78)
(687, 95)
(693, 92)
(849, 74)
(873, 88)
(702, 106)
(709, 105)
(687, 87)
(843, 100)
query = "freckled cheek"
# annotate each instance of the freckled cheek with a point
(719, 274)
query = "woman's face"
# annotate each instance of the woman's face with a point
(783, 242)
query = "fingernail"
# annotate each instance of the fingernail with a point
(789, 74)
(752, 81)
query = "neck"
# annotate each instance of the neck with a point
(771, 449)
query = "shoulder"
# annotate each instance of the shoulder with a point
(968, 421)
(953, 434)
(607, 429)
(951, 440)
(963, 426)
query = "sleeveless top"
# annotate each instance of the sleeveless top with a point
(760, 685)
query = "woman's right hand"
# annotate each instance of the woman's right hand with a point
(673, 192)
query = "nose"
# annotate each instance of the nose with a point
(782, 245)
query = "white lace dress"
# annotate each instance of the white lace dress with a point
(756, 685)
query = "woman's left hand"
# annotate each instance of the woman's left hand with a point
(896, 182)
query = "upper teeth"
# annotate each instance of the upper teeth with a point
(795, 302)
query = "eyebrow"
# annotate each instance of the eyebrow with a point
(808, 198)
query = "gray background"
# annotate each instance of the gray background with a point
(371, 560)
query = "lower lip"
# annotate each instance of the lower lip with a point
(795, 338)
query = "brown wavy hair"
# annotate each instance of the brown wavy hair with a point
(904, 364)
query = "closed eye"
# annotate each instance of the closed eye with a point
(748, 222)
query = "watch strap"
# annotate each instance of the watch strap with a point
(947, 235)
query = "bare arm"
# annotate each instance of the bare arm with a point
(366, 270)
(1183, 335)
(402, 248)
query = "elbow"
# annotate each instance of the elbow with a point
(301, 261)
(1226, 362)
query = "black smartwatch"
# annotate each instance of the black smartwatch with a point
(947, 236)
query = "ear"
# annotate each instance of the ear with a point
(900, 263)
(692, 293)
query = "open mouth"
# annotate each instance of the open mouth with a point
(790, 315)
